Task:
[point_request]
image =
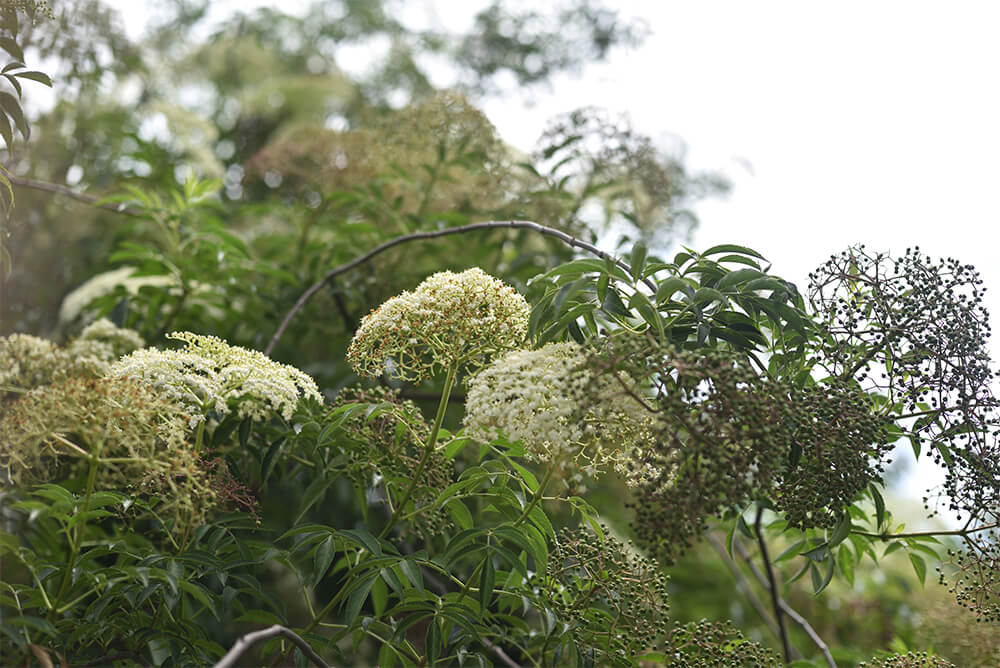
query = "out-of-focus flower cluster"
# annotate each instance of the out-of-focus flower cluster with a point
(28, 361)
(449, 319)
(138, 439)
(208, 375)
(534, 396)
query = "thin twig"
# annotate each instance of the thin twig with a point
(111, 658)
(249, 640)
(417, 236)
(788, 610)
(72, 194)
(744, 586)
(786, 647)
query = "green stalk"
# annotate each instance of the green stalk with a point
(449, 382)
(537, 496)
(75, 540)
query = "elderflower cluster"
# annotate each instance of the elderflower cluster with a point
(211, 375)
(448, 319)
(28, 361)
(534, 396)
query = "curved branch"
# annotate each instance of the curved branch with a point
(417, 236)
(72, 194)
(249, 640)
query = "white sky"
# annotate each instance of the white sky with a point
(866, 122)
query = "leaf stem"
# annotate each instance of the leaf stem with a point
(449, 382)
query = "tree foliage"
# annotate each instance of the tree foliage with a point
(467, 408)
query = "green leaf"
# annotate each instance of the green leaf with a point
(40, 77)
(820, 582)
(322, 558)
(842, 530)
(790, 552)
(487, 580)
(200, 594)
(364, 538)
(460, 513)
(7, 133)
(919, 566)
(412, 572)
(638, 259)
(818, 554)
(879, 506)
(11, 47)
(708, 295)
(358, 597)
(10, 105)
(432, 641)
(736, 277)
(669, 286)
(845, 558)
(730, 248)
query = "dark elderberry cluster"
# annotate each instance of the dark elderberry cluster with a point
(974, 575)
(915, 330)
(613, 600)
(716, 645)
(838, 446)
(728, 436)
(388, 446)
(908, 660)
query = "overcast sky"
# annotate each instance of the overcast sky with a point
(841, 123)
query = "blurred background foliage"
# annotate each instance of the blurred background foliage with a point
(247, 157)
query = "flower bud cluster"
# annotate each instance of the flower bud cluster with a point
(208, 375)
(534, 397)
(139, 440)
(28, 361)
(449, 319)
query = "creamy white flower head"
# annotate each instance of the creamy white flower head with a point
(79, 299)
(104, 341)
(27, 361)
(209, 374)
(533, 396)
(448, 319)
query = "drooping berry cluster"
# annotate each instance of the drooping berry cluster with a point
(715, 645)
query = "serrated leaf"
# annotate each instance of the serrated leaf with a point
(487, 580)
(919, 566)
(357, 598)
(322, 558)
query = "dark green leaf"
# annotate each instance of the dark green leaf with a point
(487, 580)
(638, 259)
(358, 597)
(322, 558)
(40, 77)
(919, 566)
(9, 104)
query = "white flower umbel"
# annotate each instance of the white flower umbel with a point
(448, 320)
(533, 396)
(209, 374)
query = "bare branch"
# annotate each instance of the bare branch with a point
(772, 586)
(249, 640)
(417, 236)
(72, 194)
(787, 609)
